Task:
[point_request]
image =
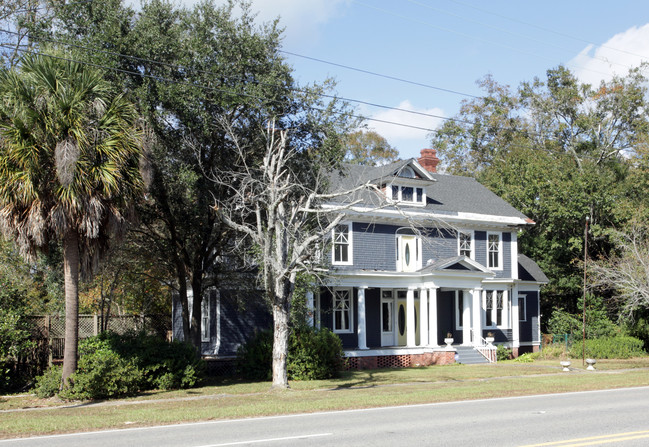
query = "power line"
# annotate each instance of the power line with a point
(394, 78)
(227, 92)
(181, 67)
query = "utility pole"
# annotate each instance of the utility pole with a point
(583, 347)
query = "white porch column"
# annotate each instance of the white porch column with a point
(310, 307)
(466, 318)
(410, 318)
(477, 316)
(516, 333)
(432, 317)
(361, 331)
(423, 317)
(506, 307)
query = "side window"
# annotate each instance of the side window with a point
(494, 251)
(465, 244)
(205, 317)
(342, 244)
(342, 309)
(522, 309)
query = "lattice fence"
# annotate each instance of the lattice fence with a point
(49, 330)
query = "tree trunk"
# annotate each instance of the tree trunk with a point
(280, 343)
(71, 278)
(197, 314)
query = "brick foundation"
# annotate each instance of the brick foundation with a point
(400, 361)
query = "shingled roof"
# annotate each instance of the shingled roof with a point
(446, 194)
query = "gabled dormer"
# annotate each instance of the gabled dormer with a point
(407, 183)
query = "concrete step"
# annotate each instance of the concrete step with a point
(469, 356)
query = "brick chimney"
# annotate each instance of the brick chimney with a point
(429, 160)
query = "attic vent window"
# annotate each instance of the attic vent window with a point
(407, 172)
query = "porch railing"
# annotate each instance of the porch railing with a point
(487, 349)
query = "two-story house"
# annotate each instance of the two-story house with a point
(423, 256)
(430, 256)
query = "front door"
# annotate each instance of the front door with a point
(402, 318)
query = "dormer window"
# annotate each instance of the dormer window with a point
(408, 194)
(407, 172)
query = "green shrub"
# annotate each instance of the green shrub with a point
(525, 358)
(14, 343)
(49, 383)
(610, 348)
(551, 352)
(102, 373)
(313, 355)
(112, 365)
(255, 357)
(502, 353)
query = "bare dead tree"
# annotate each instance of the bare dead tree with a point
(275, 208)
(627, 273)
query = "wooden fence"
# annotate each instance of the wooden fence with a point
(48, 331)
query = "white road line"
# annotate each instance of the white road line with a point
(256, 441)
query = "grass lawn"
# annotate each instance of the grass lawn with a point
(27, 415)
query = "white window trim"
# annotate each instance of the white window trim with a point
(350, 310)
(399, 198)
(494, 310)
(470, 233)
(205, 317)
(350, 246)
(524, 310)
(419, 254)
(500, 250)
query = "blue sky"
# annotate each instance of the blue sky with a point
(450, 45)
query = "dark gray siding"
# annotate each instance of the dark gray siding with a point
(241, 316)
(529, 329)
(375, 246)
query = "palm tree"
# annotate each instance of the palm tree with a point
(69, 168)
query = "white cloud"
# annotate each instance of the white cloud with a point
(299, 18)
(621, 52)
(406, 139)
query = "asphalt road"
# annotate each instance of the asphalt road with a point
(613, 417)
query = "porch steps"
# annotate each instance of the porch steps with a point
(469, 356)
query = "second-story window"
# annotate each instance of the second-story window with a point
(342, 244)
(494, 254)
(465, 241)
(408, 194)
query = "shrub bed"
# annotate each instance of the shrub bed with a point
(313, 355)
(620, 347)
(112, 365)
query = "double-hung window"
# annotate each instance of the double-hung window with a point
(342, 310)
(522, 311)
(494, 251)
(408, 194)
(494, 308)
(465, 244)
(342, 244)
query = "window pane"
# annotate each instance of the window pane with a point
(387, 317)
(420, 195)
(341, 243)
(406, 194)
(489, 308)
(499, 308)
(521, 309)
(465, 244)
(395, 192)
(460, 309)
(494, 248)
